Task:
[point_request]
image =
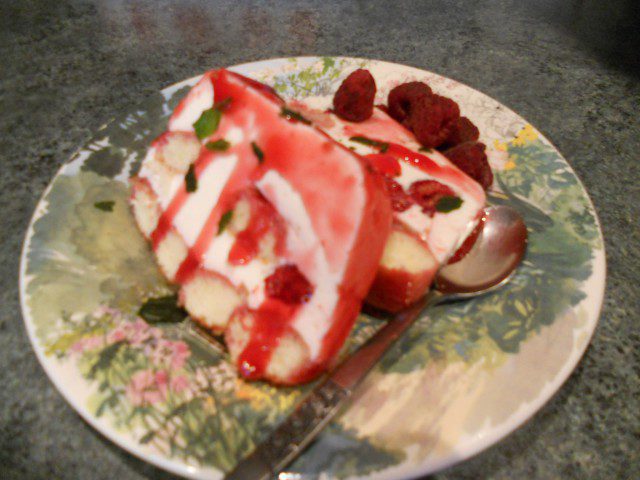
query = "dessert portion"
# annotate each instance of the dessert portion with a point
(276, 221)
(437, 197)
(272, 230)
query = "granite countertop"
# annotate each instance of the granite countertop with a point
(570, 68)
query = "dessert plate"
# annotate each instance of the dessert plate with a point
(461, 379)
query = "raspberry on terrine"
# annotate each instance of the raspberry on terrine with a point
(273, 230)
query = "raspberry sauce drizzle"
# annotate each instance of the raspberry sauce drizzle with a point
(270, 321)
(263, 220)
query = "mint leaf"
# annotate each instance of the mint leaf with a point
(162, 309)
(293, 115)
(218, 146)
(222, 104)
(190, 179)
(106, 206)
(208, 123)
(447, 204)
(224, 221)
(383, 146)
(259, 153)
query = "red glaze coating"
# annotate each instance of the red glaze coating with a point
(385, 164)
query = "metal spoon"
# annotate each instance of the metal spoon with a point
(489, 265)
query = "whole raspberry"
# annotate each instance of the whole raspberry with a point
(403, 98)
(470, 157)
(354, 99)
(288, 285)
(432, 118)
(462, 130)
(427, 193)
(400, 201)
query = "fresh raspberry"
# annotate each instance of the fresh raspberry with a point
(462, 130)
(400, 201)
(471, 158)
(288, 285)
(354, 99)
(403, 98)
(432, 118)
(426, 123)
(450, 109)
(427, 193)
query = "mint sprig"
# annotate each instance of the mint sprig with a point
(190, 179)
(162, 310)
(106, 206)
(224, 221)
(383, 146)
(258, 151)
(218, 146)
(209, 120)
(293, 115)
(448, 203)
(208, 123)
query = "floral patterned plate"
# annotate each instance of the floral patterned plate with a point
(461, 379)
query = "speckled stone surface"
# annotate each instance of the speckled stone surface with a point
(570, 68)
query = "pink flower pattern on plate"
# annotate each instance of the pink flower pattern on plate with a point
(88, 343)
(147, 387)
(170, 353)
(135, 333)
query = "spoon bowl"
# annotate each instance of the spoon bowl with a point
(498, 250)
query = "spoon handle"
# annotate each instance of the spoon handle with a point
(355, 367)
(325, 401)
